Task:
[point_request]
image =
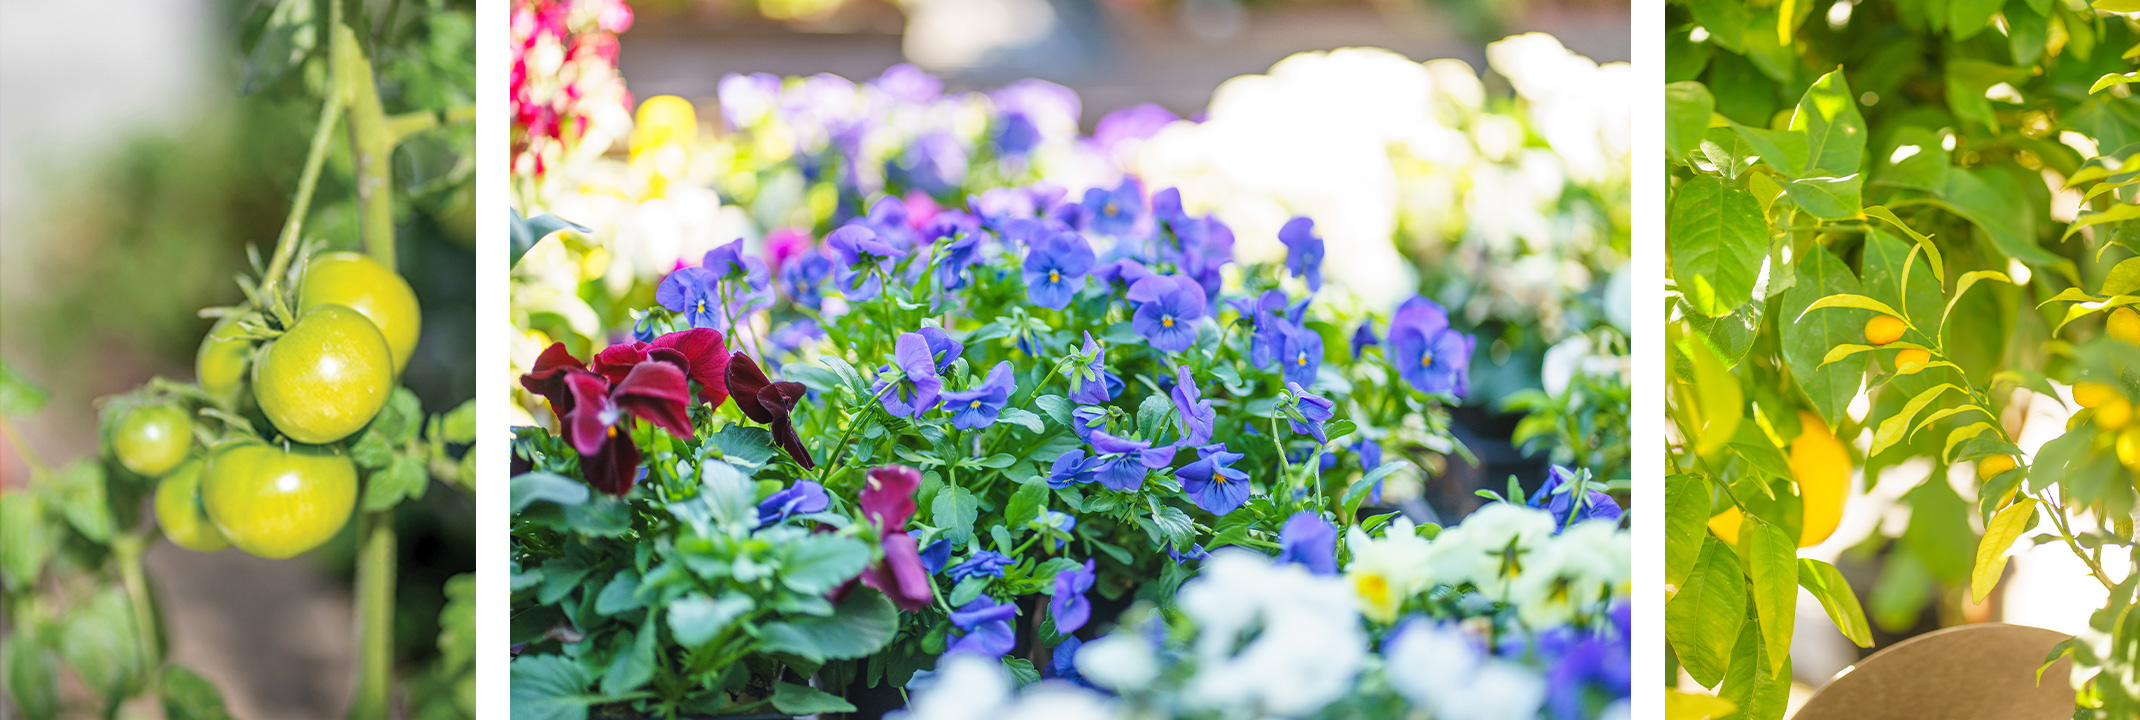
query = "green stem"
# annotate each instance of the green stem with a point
(375, 616)
(371, 144)
(128, 549)
(301, 204)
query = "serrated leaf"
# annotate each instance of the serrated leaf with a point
(752, 446)
(1021, 418)
(1026, 504)
(635, 666)
(1716, 238)
(403, 478)
(619, 595)
(817, 563)
(1057, 408)
(529, 488)
(188, 696)
(863, 623)
(695, 618)
(954, 509)
(458, 426)
(549, 687)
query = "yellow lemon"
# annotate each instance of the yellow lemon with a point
(1883, 329)
(2113, 415)
(1911, 356)
(1726, 525)
(1821, 465)
(2124, 324)
(2091, 394)
(1990, 467)
(2129, 447)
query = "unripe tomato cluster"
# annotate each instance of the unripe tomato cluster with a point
(317, 383)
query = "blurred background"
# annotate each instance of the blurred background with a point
(1472, 151)
(133, 176)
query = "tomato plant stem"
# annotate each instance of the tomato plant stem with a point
(301, 204)
(375, 615)
(128, 548)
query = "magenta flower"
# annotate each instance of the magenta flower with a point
(653, 391)
(887, 500)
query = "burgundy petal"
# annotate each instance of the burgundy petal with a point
(744, 382)
(548, 378)
(615, 469)
(589, 423)
(792, 444)
(779, 398)
(900, 576)
(616, 361)
(888, 497)
(658, 392)
(705, 359)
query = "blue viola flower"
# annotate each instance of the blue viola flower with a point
(694, 293)
(1557, 496)
(918, 388)
(1193, 414)
(941, 347)
(1267, 338)
(987, 626)
(1168, 307)
(1055, 269)
(1212, 483)
(1196, 552)
(864, 259)
(1433, 357)
(1309, 540)
(1069, 606)
(978, 408)
(1303, 251)
(1370, 454)
(1122, 272)
(1364, 338)
(1314, 411)
(1124, 462)
(1071, 468)
(1062, 661)
(1092, 384)
(1324, 462)
(1166, 208)
(1084, 420)
(888, 217)
(983, 564)
(1114, 212)
(934, 556)
(802, 498)
(958, 255)
(742, 277)
(1301, 353)
(803, 279)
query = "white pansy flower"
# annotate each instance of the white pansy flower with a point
(1122, 662)
(1271, 638)
(1443, 670)
(1386, 571)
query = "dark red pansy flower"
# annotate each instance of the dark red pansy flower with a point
(887, 500)
(594, 411)
(548, 378)
(768, 402)
(705, 360)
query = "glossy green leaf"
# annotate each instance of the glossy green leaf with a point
(1686, 508)
(1999, 536)
(805, 700)
(1772, 565)
(1809, 338)
(1703, 620)
(1717, 240)
(1687, 107)
(1836, 598)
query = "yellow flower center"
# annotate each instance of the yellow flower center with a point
(702, 306)
(1302, 361)
(1374, 591)
(612, 431)
(1055, 276)
(1426, 359)
(1167, 321)
(1219, 478)
(976, 403)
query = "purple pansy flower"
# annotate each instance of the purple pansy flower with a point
(1062, 661)
(1071, 468)
(1069, 606)
(1370, 454)
(1116, 211)
(1309, 540)
(1167, 311)
(695, 293)
(982, 564)
(742, 277)
(803, 278)
(1135, 122)
(802, 498)
(1303, 251)
(1596, 505)
(1364, 338)
(1267, 340)
(1131, 459)
(941, 347)
(987, 626)
(1433, 357)
(1194, 414)
(958, 255)
(1092, 384)
(1300, 353)
(1054, 523)
(1086, 419)
(888, 217)
(1196, 552)
(1055, 269)
(1212, 483)
(978, 408)
(918, 388)
(863, 259)
(934, 556)
(1123, 272)
(1314, 411)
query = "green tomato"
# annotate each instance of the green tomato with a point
(180, 514)
(358, 282)
(219, 366)
(152, 439)
(276, 503)
(325, 377)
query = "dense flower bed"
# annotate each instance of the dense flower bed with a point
(987, 424)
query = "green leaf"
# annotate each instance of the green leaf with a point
(404, 478)
(1846, 300)
(804, 700)
(1022, 671)
(695, 618)
(188, 696)
(2117, 6)
(81, 493)
(19, 397)
(1828, 198)
(1759, 684)
(1916, 159)
(1026, 503)
(1810, 337)
(1772, 564)
(1998, 212)
(1686, 515)
(1891, 429)
(863, 622)
(1687, 107)
(1719, 402)
(530, 488)
(1022, 418)
(549, 687)
(2115, 79)
(1702, 621)
(99, 640)
(30, 672)
(620, 594)
(1716, 239)
(815, 564)
(25, 539)
(954, 510)
(527, 232)
(290, 35)
(1835, 132)
(968, 589)
(752, 446)
(1056, 407)
(1828, 586)
(458, 426)
(1359, 489)
(1999, 535)
(634, 667)
(2120, 212)
(1966, 18)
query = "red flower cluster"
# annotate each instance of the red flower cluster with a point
(564, 61)
(595, 404)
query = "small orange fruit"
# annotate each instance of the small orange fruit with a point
(1884, 329)
(1911, 356)
(1991, 467)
